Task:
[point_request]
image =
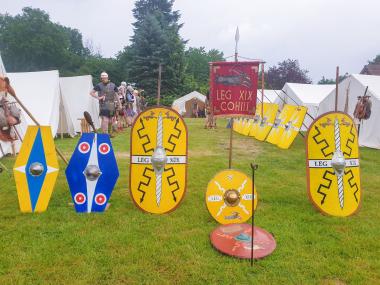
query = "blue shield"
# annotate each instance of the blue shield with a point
(92, 173)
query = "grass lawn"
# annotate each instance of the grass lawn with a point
(125, 245)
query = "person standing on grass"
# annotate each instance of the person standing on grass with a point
(122, 111)
(210, 121)
(107, 94)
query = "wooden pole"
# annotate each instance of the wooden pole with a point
(262, 90)
(159, 84)
(60, 154)
(231, 140)
(336, 88)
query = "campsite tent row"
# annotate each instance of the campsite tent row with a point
(53, 101)
(320, 99)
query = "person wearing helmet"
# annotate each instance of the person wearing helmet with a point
(107, 94)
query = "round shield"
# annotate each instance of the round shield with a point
(229, 197)
(333, 170)
(158, 166)
(236, 240)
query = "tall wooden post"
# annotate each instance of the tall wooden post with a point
(262, 90)
(159, 84)
(336, 88)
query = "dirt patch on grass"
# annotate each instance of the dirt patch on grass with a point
(121, 154)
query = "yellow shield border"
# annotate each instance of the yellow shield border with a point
(308, 169)
(186, 165)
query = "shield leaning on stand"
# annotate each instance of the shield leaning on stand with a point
(158, 169)
(36, 170)
(229, 197)
(333, 171)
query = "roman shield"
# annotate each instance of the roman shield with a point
(332, 163)
(276, 131)
(236, 240)
(265, 124)
(256, 121)
(229, 197)
(247, 126)
(292, 127)
(92, 173)
(158, 168)
(36, 170)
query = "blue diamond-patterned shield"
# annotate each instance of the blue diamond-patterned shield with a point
(36, 170)
(92, 173)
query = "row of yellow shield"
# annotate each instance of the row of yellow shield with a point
(279, 130)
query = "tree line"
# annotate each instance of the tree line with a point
(31, 41)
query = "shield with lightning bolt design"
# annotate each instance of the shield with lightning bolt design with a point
(265, 124)
(229, 197)
(36, 170)
(333, 165)
(92, 173)
(158, 168)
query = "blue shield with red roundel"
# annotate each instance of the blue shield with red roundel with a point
(92, 173)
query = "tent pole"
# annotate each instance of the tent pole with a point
(61, 120)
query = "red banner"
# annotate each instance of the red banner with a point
(233, 88)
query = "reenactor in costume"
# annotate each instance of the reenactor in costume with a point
(107, 94)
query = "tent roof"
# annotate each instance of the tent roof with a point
(188, 97)
(269, 95)
(75, 93)
(40, 93)
(309, 93)
(372, 81)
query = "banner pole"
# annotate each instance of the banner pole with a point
(231, 139)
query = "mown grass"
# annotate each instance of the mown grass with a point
(124, 245)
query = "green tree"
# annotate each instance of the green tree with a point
(156, 40)
(287, 71)
(375, 60)
(31, 42)
(332, 81)
(197, 68)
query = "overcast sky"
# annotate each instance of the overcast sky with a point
(321, 34)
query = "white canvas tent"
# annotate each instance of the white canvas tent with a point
(6, 147)
(40, 93)
(75, 94)
(348, 91)
(270, 96)
(184, 104)
(308, 95)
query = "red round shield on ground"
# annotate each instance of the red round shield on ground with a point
(235, 240)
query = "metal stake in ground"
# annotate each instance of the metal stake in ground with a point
(254, 167)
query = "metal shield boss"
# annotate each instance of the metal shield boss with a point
(92, 173)
(333, 168)
(36, 170)
(229, 197)
(265, 124)
(158, 168)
